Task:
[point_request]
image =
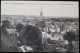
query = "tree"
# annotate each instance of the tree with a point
(32, 36)
(41, 24)
(70, 36)
(77, 35)
(19, 27)
(6, 24)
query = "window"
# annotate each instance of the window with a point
(13, 37)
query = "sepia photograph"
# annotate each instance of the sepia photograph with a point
(40, 26)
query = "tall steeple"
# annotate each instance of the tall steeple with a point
(41, 14)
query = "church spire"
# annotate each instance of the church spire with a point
(41, 14)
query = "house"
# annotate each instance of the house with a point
(7, 43)
(25, 48)
(58, 30)
(11, 31)
(56, 37)
(51, 37)
(52, 28)
(13, 35)
(24, 23)
(31, 23)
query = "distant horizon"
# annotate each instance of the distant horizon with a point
(43, 16)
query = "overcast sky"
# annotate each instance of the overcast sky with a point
(49, 8)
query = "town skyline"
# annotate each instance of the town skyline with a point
(57, 9)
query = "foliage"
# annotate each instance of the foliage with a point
(70, 36)
(32, 36)
(41, 24)
(6, 23)
(19, 27)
